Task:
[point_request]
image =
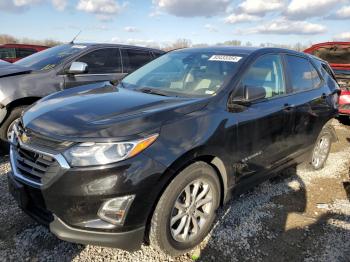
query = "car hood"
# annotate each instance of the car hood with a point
(8, 69)
(104, 113)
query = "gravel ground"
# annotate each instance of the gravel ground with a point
(301, 215)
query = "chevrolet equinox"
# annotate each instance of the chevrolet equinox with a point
(152, 158)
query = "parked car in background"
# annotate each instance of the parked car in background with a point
(14, 52)
(337, 54)
(153, 158)
(63, 67)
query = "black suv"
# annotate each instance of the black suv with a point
(62, 67)
(153, 158)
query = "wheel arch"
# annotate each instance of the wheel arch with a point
(21, 102)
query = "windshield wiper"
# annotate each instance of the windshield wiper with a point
(152, 91)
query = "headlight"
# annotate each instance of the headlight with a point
(92, 154)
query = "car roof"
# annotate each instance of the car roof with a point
(117, 45)
(241, 50)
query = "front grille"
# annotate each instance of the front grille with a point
(33, 165)
(44, 142)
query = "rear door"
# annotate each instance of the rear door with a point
(264, 127)
(311, 99)
(103, 65)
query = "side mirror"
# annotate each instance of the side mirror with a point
(249, 94)
(77, 68)
(253, 93)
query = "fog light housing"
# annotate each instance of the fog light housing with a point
(114, 210)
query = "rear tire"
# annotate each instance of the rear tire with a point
(13, 115)
(181, 221)
(321, 149)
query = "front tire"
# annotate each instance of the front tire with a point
(6, 126)
(321, 149)
(186, 211)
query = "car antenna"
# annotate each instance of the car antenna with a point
(72, 42)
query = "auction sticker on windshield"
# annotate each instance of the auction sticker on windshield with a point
(225, 58)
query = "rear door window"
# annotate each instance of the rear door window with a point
(134, 59)
(302, 74)
(102, 61)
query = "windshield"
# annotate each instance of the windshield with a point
(336, 54)
(50, 58)
(185, 73)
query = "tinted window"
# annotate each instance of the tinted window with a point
(266, 72)
(102, 61)
(136, 59)
(50, 58)
(302, 74)
(24, 52)
(7, 53)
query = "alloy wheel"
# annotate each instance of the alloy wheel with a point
(321, 150)
(192, 210)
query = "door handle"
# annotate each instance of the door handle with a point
(288, 107)
(323, 96)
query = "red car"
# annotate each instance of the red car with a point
(14, 52)
(337, 54)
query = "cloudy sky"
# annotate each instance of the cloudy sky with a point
(163, 21)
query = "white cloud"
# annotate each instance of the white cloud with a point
(23, 5)
(343, 36)
(261, 7)
(302, 9)
(342, 13)
(130, 29)
(240, 18)
(191, 8)
(16, 6)
(211, 28)
(60, 5)
(285, 27)
(132, 41)
(20, 3)
(104, 9)
(155, 13)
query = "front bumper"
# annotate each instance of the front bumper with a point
(68, 199)
(130, 240)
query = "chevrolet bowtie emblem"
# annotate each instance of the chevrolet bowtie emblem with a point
(24, 138)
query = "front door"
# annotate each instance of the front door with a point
(103, 65)
(264, 127)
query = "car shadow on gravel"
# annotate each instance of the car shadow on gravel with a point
(23, 239)
(269, 224)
